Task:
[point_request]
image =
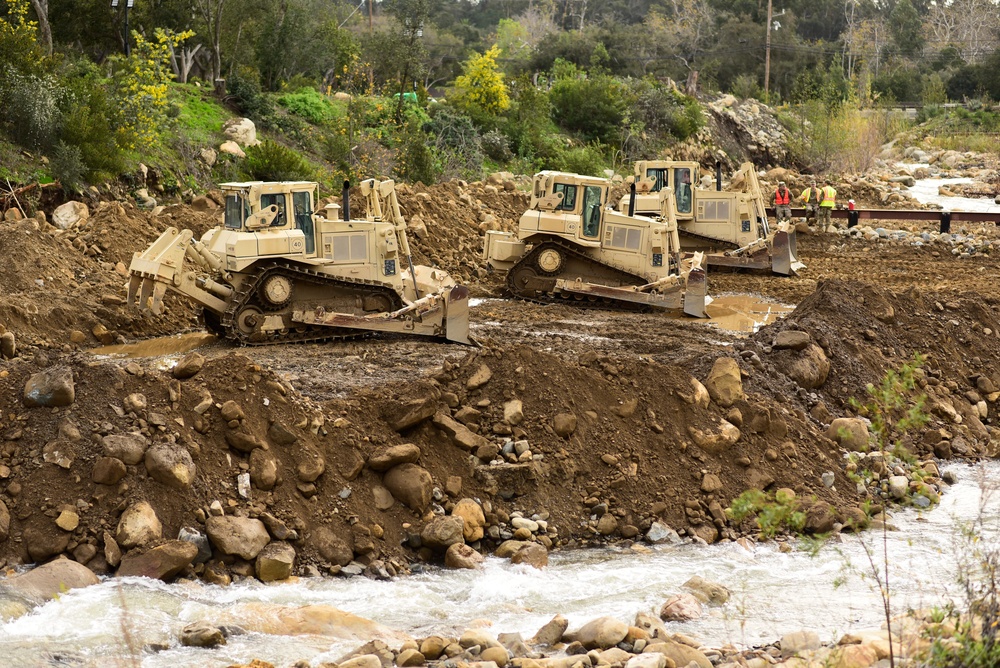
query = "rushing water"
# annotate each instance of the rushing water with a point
(926, 191)
(772, 593)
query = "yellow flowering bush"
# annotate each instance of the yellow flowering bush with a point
(480, 89)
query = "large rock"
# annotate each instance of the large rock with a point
(798, 642)
(679, 653)
(531, 554)
(442, 532)
(241, 130)
(479, 377)
(478, 638)
(70, 215)
(407, 453)
(850, 433)
(459, 434)
(171, 465)
(410, 484)
(44, 540)
(162, 562)
(4, 521)
(681, 608)
(707, 591)
(402, 416)
(647, 661)
(791, 339)
(129, 448)
(50, 580)
(238, 536)
(188, 366)
(51, 388)
(810, 367)
(202, 634)
(138, 525)
(331, 546)
(660, 533)
(715, 438)
(513, 412)
(602, 633)
(724, 383)
(275, 562)
(820, 518)
(552, 632)
(472, 514)
(564, 424)
(460, 555)
(263, 469)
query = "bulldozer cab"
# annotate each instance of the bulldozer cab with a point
(259, 207)
(653, 176)
(569, 204)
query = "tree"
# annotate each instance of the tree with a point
(906, 28)
(411, 15)
(210, 13)
(41, 8)
(480, 90)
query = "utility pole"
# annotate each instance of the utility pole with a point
(369, 17)
(767, 53)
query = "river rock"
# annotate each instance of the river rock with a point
(602, 633)
(410, 484)
(472, 514)
(552, 632)
(607, 524)
(239, 536)
(854, 656)
(797, 642)
(162, 562)
(496, 655)
(332, 547)
(50, 580)
(509, 548)
(432, 647)
(363, 661)
(188, 366)
(791, 339)
(460, 555)
(679, 653)
(50, 388)
(681, 608)
(199, 540)
(532, 554)
(202, 634)
(850, 433)
(171, 465)
(810, 367)
(409, 658)
(715, 438)
(443, 531)
(407, 453)
(820, 517)
(655, 660)
(275, 562)
(659, 533)
(129, 448)
(70, 215)
(478, 638)
(706, 591)
(651, 625)
(138, 525)
(724, 382)
(44, 540)
(263, 469)
(564, 424)
(898, 486)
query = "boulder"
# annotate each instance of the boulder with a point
(698, 396)
(395, 455)
(4, 521)
(275, 562)
(44, 540)
(706, 591)
(403, 416)
(50, 388)
(552, 632)
(850, 433)
(241, 130)
(202, 634)
(162, 562)
(332, 547)
(791, 339)
(660, 533)
(459, 434)
(681, 608)
(50, 580)
(513, 412)
(171, 465)
(655, 660)
(651, 625)
(724, 383)
(238, 536)
(263, 469)
(810, 367)
(363, 661)
(820, 518)
(460, 555)
(442, 532)
(479, 377)
(410, 484)
(70, 215)
(715, 438)
(188, 366)
(564, 424)
(311, 465)
(797, 642)
(478, 638)
(679, 653)
(410, 658)
(532, 554)
(199, 540)
(475, 521)
(898, 486)
(602, 633)
(232, 148)
(129, 448)
(281, 435)
(244, 442)
(138, 525)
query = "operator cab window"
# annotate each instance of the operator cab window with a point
(569, 196)
(592, 196)
(279, 200)
(682, 189)
(658, 177)
(237, 211)
(303, 219)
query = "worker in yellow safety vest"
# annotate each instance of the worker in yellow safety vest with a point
(826, 203)
(811, 197)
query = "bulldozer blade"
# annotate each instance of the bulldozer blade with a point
(783, 259)
(456, 322)
(696, 293)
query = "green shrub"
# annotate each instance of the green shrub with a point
(587, 160)
(309, 104)
(66, 163)
(594, 107)
(497, 147)
(29, 107)
(773, 513)
(414, 160)
(86, 125)
(270, 161)
(244, 91)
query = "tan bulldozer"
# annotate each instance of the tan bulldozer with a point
(571, 248)
(731, 227)
(276, 270)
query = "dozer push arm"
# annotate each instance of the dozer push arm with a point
(161, 266)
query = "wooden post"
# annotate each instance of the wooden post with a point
(767, 53)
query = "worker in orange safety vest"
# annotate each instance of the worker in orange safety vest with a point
(782, 201)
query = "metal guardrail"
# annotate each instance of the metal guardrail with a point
(945, 218)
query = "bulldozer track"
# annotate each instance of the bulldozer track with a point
(603, 303)
(706, 239)
(247, 296)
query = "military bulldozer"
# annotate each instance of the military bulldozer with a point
(277, 271)
(731, 227)
(571, 248)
